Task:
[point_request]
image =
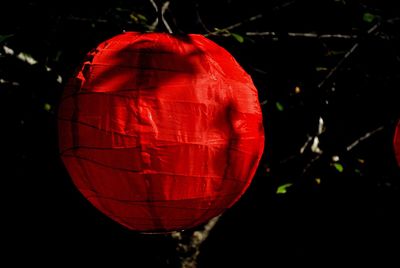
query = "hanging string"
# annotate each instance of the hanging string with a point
(160, 15)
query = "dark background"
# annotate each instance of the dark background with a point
(341, 212)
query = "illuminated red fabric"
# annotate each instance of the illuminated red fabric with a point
(160, 132)
(396, 142)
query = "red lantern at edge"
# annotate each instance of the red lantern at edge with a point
(160, 132)
(396, 143)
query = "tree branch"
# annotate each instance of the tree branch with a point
(160, 13)
(189, 249)
(305, 35)
(338, 65)
(363, 138)
(345, 57)
(253, 18)
(233, 26)
(310, 164)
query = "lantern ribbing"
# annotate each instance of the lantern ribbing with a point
(160, 132)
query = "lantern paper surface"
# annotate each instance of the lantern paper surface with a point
(160, 132)
(396, 142)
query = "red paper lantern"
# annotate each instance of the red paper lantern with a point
(160, 132)
(396, 142)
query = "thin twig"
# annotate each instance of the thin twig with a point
(154, 25)
(321, 125)
(363, 138)
(161, 13)
(154, 5)
(163, 9)
(305, 35)
(73, 18)
(253, 18)
(284, 5)
(393, 20)
(338, 65)
(345, 57)
(233, 26)
(13, 83)
(317, 35)
(200, 20)
(309, 165)
(303, 148)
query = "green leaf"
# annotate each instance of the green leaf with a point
(283, 188)
(238, 37)
(279, 106)
(138, 18)
(142, 17)
(134, 18)
(338, 167)
(368, 17)
(47, 107)
(5, 37)
(320, 69)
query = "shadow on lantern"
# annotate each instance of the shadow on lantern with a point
(151, 136)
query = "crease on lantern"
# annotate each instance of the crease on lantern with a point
(144, 83)
(143, 80)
